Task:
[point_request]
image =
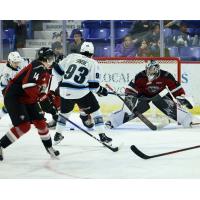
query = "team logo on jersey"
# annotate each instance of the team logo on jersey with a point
(22, 117)
(153, 88)
(36, 76)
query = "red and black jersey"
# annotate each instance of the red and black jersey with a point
(27, 85)
(152, 88)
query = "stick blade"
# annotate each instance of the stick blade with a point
(139, 153)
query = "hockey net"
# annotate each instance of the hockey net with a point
(118, 72)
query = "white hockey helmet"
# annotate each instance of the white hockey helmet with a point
(14, 57)
(152, 70)
(87, 47)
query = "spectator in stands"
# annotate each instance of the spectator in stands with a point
(144, 49)
(67, 42)
(58, 50)
(173, 24)
(21, 34)
(56, 37)
(126, 48)
(182, 39)
(140, 29)
(155, 50)
(154, 35)
(78, 41)
(19, 27)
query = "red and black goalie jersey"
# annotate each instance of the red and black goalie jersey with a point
(27, 85)
(152, 88)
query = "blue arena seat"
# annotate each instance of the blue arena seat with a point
(123, 23)
(9, 35)
(173, 51)
(167, 32)
(190, 53)
(106, 51)
(102, 34)
(121, 32)
(197, 31)
(95, 24)
(101, 49)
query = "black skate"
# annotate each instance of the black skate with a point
(87, 121)
(105, 138)
(109, 125)
(58, 138)
(1, 154)
(51, 124)
(53, 153)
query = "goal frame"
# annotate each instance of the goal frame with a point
(165, 59)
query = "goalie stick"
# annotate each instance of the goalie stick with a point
(136, 113)
(144, 156)
(114, 149)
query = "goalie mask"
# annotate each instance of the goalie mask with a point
(152, 70)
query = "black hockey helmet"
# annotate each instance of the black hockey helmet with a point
(45, 54)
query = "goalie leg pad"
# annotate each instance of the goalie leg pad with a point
(167, 106)
(184, 117)
(130, 102)
(118, 118)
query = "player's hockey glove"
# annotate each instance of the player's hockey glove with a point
(102, 91)
(55, 98)
(46, 104)
(185, 101)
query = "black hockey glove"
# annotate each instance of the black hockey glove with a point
(102, 91)
(46, 105)
(184, 101)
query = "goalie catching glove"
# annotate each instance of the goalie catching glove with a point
(185, 101)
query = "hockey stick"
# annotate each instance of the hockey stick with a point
(114, 149)
(144, 156)
(139, 98)
(136, 113)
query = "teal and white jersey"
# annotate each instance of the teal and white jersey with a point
(77, 74)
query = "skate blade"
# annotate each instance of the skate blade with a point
(57, 142)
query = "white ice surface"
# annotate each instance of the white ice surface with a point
(83, 157)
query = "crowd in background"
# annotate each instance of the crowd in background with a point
(142, 39)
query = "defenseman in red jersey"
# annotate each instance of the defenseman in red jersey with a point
(21, 96)
(149, 83)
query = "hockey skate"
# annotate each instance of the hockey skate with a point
(105, 139)
(1, 154)
(53, 153)
(58, 138)
(87, 121)
(109, 125)
(51, 124)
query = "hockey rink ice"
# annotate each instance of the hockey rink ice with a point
(83, 157)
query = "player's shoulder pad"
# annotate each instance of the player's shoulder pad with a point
(167, 74)
(141, 74)
(38, 67)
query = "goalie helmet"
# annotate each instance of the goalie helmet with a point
(152, 70)
(87, 48)
(14, 57)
